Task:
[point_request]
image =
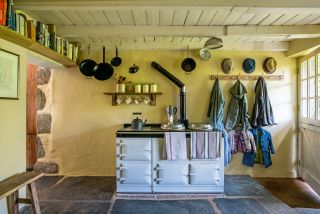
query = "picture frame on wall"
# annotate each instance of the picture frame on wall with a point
(9, 75)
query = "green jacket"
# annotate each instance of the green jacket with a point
(216, 105)
(238, 108)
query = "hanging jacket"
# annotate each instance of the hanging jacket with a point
(227, 148)
(262, 114)
(238, 108)
(242, 141)
(266, 148)
(216, 105)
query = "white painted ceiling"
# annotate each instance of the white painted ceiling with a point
(150, 24)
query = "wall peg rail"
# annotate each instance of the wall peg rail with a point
(247, 77)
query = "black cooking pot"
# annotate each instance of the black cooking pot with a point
(188, 64)
(103, 71)
(86, 66)
(116, 61)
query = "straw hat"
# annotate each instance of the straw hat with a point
(249, 65)
(227, 66)
(270, 65)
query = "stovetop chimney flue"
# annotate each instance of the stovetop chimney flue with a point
(177, 82)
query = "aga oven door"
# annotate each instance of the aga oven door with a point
(134, 149)
(171, 173)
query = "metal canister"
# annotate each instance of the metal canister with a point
(145, 88)
(137, 88)
(153, 88)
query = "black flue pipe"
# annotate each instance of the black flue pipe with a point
(177, 82)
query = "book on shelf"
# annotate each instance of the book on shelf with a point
(11, 22)
(39, 33)
(3, 12)
(31, 30)
(21, 22)
(52, 36)
(65, 47)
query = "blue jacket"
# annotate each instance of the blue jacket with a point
(266, 147)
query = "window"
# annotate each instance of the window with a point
(310, 88)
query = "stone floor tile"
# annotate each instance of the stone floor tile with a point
(84, 188)
(239, 185)
(240, 206)
(162, 207)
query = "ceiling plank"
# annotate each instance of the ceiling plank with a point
(129, 5)
(73, 17)
(140, 17)
(308, 19)
(220, 16)
(283, 19)
(179, 16)
(100, 17)
(86, 17)
(113, 17)
(244, 19)
(206, 17)
(257, 18)
(139, 39)
(270, 19)
(149, 38)
(315, 22)
(153, 17)
(234, 15)
(47, 17)
(296, 19)
(126, 17)
(61, 18)
(193, 17)
(166, 17)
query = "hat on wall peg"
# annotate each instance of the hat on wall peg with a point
(270, 65)
(249, 65)
(227, 66)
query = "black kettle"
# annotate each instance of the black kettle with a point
(137, 123)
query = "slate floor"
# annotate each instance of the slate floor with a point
(243, 195)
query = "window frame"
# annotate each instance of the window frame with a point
(308, 120)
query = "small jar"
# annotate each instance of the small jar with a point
(129, 87)
(145, 88)
(121, 88)
(137, 88)
(153, 88)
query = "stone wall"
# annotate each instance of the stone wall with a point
(44, 122)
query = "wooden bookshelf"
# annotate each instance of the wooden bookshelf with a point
(14, 37)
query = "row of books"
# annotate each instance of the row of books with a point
(45, 34)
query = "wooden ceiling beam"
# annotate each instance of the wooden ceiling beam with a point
(79, 31)
(145, 4)
(166, 45)
(198, 31)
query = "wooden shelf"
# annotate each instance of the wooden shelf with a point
(14, 37)
(115, 95)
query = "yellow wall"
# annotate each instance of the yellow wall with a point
(85, 122)
(13, 124)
